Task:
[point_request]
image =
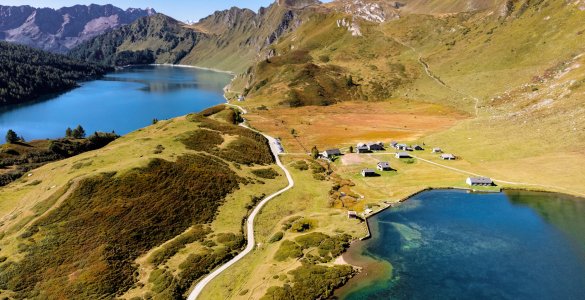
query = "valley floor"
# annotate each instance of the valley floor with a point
(483, 147)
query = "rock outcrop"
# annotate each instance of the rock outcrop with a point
(62, 29)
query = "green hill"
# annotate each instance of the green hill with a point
(78, 230)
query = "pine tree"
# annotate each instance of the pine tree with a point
(11, 136)
(314, 152)
(78, 132)
(68, 132)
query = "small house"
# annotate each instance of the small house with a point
(447, 156)
(401, 146)
(331, 153)
(368, 211)
(437, 150)
(375, 146)
(402, 155)
(241, 98)
(352, 214)
(384, 166)
(479, 181)
(418, 148)
(362, 149)
(393, 144)
(369, 173)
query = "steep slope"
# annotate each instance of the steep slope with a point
(154, 39)
(230, 40)
(448, 6)
(27, 73)
(62, 29)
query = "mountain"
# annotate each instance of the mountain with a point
(62, 29)
(230, 39)
(27, 73)
(154, 39)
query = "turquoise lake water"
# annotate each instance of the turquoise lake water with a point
(447, 244)
(122, 101)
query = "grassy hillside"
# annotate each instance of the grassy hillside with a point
(18, 158)
(99, 228)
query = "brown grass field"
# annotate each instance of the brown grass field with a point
(348, 123)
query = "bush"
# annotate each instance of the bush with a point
(302, 225)
(276, 237)
(268, 173)
(212, 110)
(301, 165)
(197, 233)
(311, 282)
(202, 140)
(288, 249)
(230, 240)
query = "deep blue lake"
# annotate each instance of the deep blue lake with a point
(123, 101)
(447, 244)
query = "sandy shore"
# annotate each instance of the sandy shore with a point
(194, 67)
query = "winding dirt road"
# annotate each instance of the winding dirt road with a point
(251, 243)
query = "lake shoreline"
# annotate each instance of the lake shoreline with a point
(167, 93)
(190, 67)
(372, 270)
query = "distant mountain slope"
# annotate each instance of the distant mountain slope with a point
(231, 39)
(27, 73)
(62, 29)
(153, 39)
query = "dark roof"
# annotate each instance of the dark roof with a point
(333, 152)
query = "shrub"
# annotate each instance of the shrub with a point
(311, 282)
(230, 240)
(268, 173)
(288, 249)
(302, 225)
(202, 140)
(301, 165)
(276, 237)
(212, 110)
(311, 240)
(197, 233)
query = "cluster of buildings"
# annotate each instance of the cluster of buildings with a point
(402, 153)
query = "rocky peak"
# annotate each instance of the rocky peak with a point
(378, 11)
(62, 29)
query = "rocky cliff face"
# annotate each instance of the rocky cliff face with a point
(62, 29)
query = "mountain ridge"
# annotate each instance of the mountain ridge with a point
(59, 30)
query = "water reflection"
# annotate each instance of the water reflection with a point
(123, 101)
